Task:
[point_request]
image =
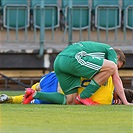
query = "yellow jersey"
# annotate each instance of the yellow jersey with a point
(104, 95)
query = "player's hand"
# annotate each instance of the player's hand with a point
(117, 101)
(130, 103)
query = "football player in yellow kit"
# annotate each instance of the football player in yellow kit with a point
(104, 95)
(16, 99)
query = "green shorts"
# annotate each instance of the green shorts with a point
(69, 71)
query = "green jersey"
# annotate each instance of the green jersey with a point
(82, 59)
(89, 48)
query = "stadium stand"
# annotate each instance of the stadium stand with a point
(77, 16)
(81, 9)
(111, 11)
(50, 9)
(128, 13)
(15, 14)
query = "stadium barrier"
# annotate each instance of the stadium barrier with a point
(42, 22)
(36, 25)
(19, 79)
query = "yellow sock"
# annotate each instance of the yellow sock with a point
(17, 99)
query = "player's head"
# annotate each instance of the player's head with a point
(121, 58)
(129, 95)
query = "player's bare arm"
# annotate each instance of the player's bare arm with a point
(119, 87)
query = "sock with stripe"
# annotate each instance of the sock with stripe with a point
(90, 89)
(53, 97)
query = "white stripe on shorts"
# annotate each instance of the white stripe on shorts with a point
(87, 64)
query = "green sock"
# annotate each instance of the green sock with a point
(90, 89)
(53, 97)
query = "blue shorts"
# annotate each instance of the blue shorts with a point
(48, 83)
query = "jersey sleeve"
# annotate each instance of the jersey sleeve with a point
(111, 55)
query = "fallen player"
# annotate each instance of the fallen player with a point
(49, 83)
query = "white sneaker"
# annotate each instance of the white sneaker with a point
(3, 98)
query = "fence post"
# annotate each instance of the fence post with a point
(42, 29)
(70, 23)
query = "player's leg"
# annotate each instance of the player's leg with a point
(11, 99)
(68, 81)
(49, 91)
(52, 97)
(70, 89)
(70, 73)
(17, 99)
(5, 98)
(107, 69)
(55, 97)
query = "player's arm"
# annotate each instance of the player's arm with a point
(128, 94)
(119, 87)
(116, 99)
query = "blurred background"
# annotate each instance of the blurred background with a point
(33, 32)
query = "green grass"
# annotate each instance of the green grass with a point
(12, 93)
(18, 118)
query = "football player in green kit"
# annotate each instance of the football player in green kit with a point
(91, 60)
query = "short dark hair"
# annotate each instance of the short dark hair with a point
(122, 56)
(129, 95)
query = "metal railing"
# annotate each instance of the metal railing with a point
(6, 79)
(62, 23)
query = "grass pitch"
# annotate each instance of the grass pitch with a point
(18, 118)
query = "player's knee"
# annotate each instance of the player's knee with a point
(71, 99)
(69, 102)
